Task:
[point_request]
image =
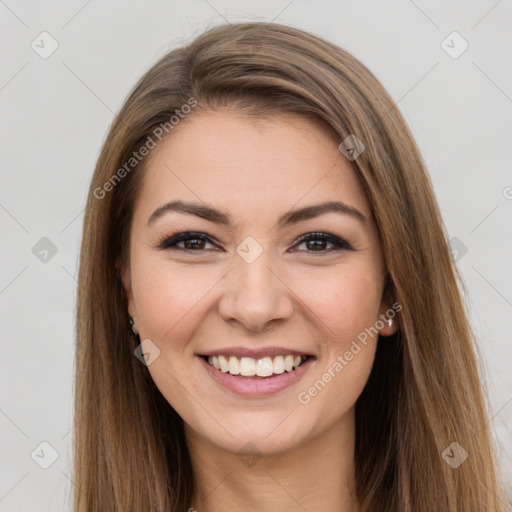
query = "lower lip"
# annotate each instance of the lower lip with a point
(256, 386)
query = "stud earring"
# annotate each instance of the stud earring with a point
(390, 322)
(134, 333)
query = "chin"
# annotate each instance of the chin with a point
(257, 433)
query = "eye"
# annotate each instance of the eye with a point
(193, 241)
(318, 242)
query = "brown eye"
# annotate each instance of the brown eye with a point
(317, 242)
(192, 241)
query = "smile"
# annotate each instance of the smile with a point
(256, 373)
(262, 367)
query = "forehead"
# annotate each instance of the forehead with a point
(246, 166)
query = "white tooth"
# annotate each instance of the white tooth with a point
(223, 364)
(215, 362)
(264, 367)
(234, 366)
(297, 361)
(247, 366)
(288, 363)
(279, 364)
(210, 360)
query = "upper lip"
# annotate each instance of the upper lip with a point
(255, 353)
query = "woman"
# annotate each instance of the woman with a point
(268, 314)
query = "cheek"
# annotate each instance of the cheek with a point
(343, 303)
(168, 298)
(346, 306)
(170, 301)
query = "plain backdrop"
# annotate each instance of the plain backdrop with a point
(55, 112)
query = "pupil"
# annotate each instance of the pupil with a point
(317, 243)
(189, 244)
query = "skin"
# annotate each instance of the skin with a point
(294, 295)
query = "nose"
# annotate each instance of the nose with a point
(256, 294)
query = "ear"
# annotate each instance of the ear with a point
(126, 281)
(388, 312)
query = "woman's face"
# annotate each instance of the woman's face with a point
(245, 286)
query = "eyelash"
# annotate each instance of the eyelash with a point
(168, 243)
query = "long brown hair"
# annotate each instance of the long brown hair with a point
(424, 392)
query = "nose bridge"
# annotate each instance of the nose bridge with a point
(254, 293)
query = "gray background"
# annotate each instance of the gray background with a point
(54, 116)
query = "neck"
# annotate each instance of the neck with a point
(316, 475)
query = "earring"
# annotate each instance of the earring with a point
(390, 322)
(134, 333)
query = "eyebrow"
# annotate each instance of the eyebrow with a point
(289, 218)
